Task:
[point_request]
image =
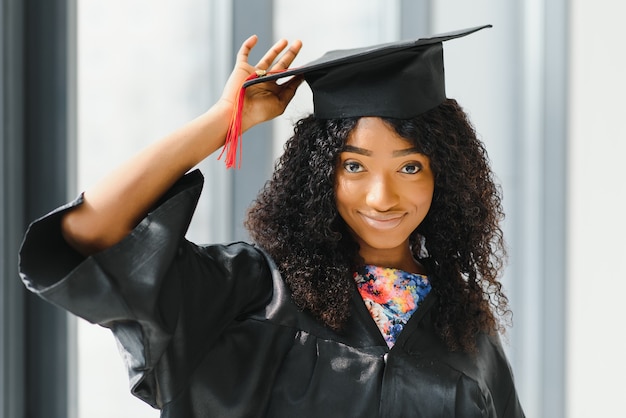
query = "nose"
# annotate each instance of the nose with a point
(381, 194)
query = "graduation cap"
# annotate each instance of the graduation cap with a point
(398, 80)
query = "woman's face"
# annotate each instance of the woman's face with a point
(384, 188)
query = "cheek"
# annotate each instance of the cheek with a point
(423, 199)
(427, 194)
(430, 196)
(342, 198)
(347, 200)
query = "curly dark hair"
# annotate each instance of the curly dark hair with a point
(460, 241)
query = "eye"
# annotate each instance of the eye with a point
(352, 167)
(411, 168)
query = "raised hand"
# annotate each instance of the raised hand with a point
(263, 101)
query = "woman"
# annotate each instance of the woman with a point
(371, 289)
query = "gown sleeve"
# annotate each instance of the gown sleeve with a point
(165, 299)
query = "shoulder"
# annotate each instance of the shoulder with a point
(482, 378)
(487, 373)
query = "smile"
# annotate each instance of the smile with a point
(382, 222)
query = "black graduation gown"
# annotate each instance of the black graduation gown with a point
(212, 331)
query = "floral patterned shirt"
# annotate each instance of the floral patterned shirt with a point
(391, 296)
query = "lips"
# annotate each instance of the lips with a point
(382, 222)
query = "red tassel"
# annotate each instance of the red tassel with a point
(233, 136)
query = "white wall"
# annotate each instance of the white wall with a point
(597, 210)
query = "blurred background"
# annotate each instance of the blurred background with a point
(86, 83)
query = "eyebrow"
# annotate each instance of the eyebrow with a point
(408, 151)
(397, 153)
(356, 150)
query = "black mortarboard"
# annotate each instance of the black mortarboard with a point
(399, 80)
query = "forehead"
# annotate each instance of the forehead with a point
(374, 135)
